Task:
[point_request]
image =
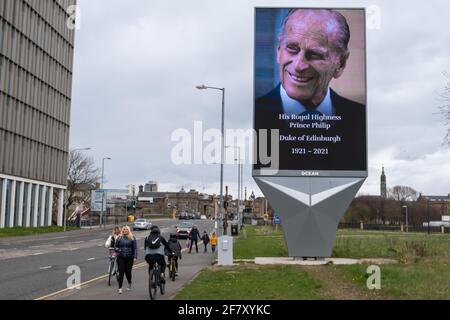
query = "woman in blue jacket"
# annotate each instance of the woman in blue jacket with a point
(126, 247)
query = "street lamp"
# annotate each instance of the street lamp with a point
(203, 87)
(406, 207)
(65, 193)
(103, 191)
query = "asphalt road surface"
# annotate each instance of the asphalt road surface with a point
(35, 266)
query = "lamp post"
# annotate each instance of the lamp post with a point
(203, 87)
(428, 215)
(239, 178)
(406, 208)
(103, 191)
(65, 193)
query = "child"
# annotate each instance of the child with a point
(213, 242)
(205, 239)
(175, 246)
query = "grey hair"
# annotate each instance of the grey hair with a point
(344, 29)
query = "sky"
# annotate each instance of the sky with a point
(137, 63)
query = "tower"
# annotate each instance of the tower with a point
(383, 191)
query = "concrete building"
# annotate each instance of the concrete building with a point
(151, 186)
(36, 59)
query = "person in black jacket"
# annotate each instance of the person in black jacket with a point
(175, 246)
(194, 235)
(126, 246)
(205, 239)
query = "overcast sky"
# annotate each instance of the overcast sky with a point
(137, 63)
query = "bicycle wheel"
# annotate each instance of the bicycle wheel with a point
(152, 284)
(110, 271)
(173, 270)
(162, 285)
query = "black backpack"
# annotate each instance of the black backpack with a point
(153, 241)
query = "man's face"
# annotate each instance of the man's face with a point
(308, 57)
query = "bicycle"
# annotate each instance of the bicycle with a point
(154, 281)
(113, 269)
(172, 267)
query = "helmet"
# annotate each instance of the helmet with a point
(155, 229)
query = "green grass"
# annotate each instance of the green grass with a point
(406, 247)
(422, 281)
(272, 283)
(19, 231)
(260, 242)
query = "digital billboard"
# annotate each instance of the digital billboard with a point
(310, 89)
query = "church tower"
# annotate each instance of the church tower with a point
(383, 190)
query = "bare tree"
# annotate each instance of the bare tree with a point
(445, 108)
(403, 193)
(82, 173)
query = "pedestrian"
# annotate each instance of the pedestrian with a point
(194, 235)
(126, 246)
(111, 241)
(213, 242)
(225, 226)
(205, 239)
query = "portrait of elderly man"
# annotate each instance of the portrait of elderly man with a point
(312, 50)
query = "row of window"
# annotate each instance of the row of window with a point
(23, 52)
(29, 204)
(18, 83)
(32, 18)
(23, 120)
(20, 156)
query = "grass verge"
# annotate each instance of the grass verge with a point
(20, 231)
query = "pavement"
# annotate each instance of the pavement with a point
(189, 267)
(35, 266)
(335, 261)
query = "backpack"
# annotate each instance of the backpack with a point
(153, 241)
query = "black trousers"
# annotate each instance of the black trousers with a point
(196, 245)
(125, 266)
(160, 259)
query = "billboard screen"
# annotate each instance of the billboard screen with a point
(310, 89)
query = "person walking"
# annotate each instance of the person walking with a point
(194, 235)
(126, 246)
(205, 239)
(213, 242)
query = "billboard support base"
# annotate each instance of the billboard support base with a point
(310, 209)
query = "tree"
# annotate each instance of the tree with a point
(403, 193)
(82, 172)
(445, 108)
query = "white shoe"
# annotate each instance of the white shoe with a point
(120, 291)
(129, 288)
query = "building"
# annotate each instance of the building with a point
(36, 60)
(383, 187)
(151, 186)
(439, 202)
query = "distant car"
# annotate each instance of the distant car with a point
(192, 216)
(142, 224)
(183, 216)
(183, 230)
(203, 217)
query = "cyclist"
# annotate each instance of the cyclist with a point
(154, 246)
(175, 245)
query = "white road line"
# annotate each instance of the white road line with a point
(45, 268)
(90, 259)
(96, 240)
(38, 253)
(77, 242)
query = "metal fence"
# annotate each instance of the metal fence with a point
(399, 228)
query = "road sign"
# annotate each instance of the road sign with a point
(266, 217)
(276, 220)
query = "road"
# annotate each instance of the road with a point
(35, 266)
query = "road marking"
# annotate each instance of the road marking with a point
(38, 253)
(45, 268)
(77, 242)
(90, 259)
